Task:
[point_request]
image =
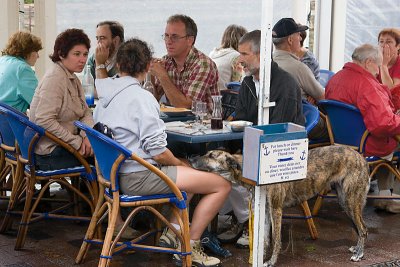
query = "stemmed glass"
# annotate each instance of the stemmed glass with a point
(196, 123)
(199, 109)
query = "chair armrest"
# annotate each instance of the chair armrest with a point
(162, 175)
(70, 149)
(363, 141)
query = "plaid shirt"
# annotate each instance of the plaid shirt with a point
(198, 79)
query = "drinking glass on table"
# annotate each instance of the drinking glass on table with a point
(196, 123)
(201, 108)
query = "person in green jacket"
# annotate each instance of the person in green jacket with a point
(17, 78)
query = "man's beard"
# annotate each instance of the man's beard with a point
(251, 72)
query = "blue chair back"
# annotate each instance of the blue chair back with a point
(229, 99)
(105, 149)
(26, 133)
(12, 109)
(6, 134)
(311, 114)
(346, 122)
(235, 86)
(325, 76)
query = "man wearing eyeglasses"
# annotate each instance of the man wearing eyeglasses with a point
(185, 74)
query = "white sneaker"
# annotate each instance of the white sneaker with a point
(243, 241)
(168, 239)
(390, 205)
(199, 258)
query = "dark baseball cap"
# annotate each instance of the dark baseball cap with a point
(285, 27)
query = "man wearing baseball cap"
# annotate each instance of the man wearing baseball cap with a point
(286, 38)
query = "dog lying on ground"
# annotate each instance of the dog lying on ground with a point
(338, 165)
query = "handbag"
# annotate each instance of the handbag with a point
(104, 129)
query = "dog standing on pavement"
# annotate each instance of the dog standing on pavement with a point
(338, 165)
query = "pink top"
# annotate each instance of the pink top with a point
(394, 71)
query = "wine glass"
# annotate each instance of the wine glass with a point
(201, 109)
(195, 111)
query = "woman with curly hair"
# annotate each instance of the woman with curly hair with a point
(59, 100)
(132, 113)
(17, 78)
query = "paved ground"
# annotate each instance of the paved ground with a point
(56, 243)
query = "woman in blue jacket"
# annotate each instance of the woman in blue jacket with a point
(17, 78)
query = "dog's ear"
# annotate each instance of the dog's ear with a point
(235, 167)
(232, 163)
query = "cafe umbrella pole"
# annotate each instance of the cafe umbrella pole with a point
(263, 118)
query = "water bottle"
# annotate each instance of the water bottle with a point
(88, 86)
(148, 85)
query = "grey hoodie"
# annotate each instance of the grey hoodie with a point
(133, 115)
(224, 59)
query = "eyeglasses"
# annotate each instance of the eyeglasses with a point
(173, 38)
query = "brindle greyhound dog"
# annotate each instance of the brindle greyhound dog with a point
(338, 165)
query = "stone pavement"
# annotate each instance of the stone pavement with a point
(56, 243)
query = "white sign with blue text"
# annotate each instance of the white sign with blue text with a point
(283, 161)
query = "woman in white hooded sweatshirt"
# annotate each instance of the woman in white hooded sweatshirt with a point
(225, 57)
(132, 113)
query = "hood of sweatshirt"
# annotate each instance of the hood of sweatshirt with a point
(220, 52)
(107, 89)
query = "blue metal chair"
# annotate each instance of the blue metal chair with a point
(8, 161)
(235, 86)
(229, 99)
(9, 168)
(109, 157)
(27, 135)
(346, 127)
(325, 76)
(312, 116)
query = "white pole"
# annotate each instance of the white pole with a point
(45, 28)
(338, 40)
(263, 118)
(8, 20)
(323, 32)
(21, 15)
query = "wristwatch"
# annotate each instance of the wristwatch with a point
(101, 66)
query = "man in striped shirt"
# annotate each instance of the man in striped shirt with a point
(185, 74)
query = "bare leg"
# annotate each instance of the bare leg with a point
(214, 189)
